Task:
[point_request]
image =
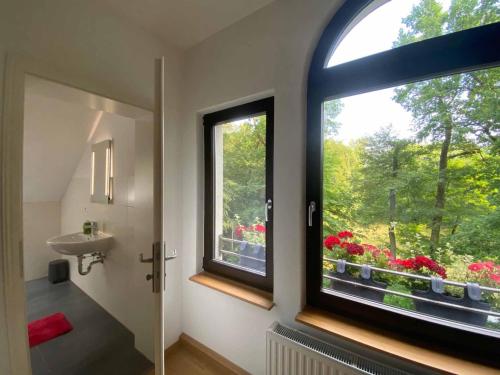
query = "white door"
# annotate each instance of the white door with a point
(159, 244)
(158, 254)
(156, 275)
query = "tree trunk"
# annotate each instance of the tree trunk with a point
(392, 217)
(392, 201)
(455, 225)
(437, 219)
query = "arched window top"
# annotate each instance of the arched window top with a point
(384, 25)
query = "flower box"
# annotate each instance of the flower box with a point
(358, 290)
(255, 251)
(450, 313)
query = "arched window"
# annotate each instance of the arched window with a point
(402, 183)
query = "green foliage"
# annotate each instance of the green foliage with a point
(399, 301)
(456, 123)
(428, 19)
(331, 109)
(340, 164)
(244, 156)
(458, 113)
(386, 164)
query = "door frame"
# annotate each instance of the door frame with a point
(11, 198)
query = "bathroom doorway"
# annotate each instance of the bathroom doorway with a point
(88, 213)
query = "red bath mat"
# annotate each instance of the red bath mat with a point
(45, 329)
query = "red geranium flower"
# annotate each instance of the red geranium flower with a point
(495, 278)
(355, 249)
(374, 250)
(479, 266)
(331, 241)
(345, 234)
(486, 270)
(441, 271)
(405, 263)
(387, 253)
(475, 267)
(489, 265)
(369, 247)
(259, 228)
(418, 262)
(238, 232)
(423, 261)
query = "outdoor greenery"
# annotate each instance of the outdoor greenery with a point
(432, 197)
(244, 158)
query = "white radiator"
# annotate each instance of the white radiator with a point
(291, 352)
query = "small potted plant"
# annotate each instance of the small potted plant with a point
(253, 245)
(436, 291)
(343, 248)
(486, 273)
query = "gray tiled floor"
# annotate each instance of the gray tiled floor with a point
(98, 344)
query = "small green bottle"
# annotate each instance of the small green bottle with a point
(87, 227)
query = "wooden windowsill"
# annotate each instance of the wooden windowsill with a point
(383, 342)
(235, 289)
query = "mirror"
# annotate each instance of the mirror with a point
(101, 172)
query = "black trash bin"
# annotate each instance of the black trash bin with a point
(58, 271)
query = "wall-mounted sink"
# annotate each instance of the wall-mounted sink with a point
(80, 244)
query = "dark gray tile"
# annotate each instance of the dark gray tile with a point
(38, 364)
(98, 343)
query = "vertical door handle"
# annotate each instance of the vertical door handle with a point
(311, 210)
(155, 260)
(268, 206)
(157, 267)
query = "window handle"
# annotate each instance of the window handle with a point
(311, 210)
(268, 206)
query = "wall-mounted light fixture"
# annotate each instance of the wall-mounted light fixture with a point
(101, 172)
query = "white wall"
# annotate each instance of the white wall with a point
(266, 53)
(55, 133)
(111, 56)
(41, 220)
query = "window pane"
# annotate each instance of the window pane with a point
(240, 192)
(399, 23)
(411, 180)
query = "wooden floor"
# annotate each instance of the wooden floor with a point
(184, 358)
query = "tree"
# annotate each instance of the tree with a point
(451, 109)
(340, 164)
(244, 171)
(331, 109)
(382, 158)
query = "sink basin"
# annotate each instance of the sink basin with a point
(80, 244)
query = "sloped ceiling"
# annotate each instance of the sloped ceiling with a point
(55, 136)
(59, 122)
(184, 23)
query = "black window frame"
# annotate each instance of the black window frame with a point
(459, 52)
(255, 108)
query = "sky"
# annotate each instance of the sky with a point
(364, 114)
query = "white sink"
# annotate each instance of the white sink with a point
(80, 244)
